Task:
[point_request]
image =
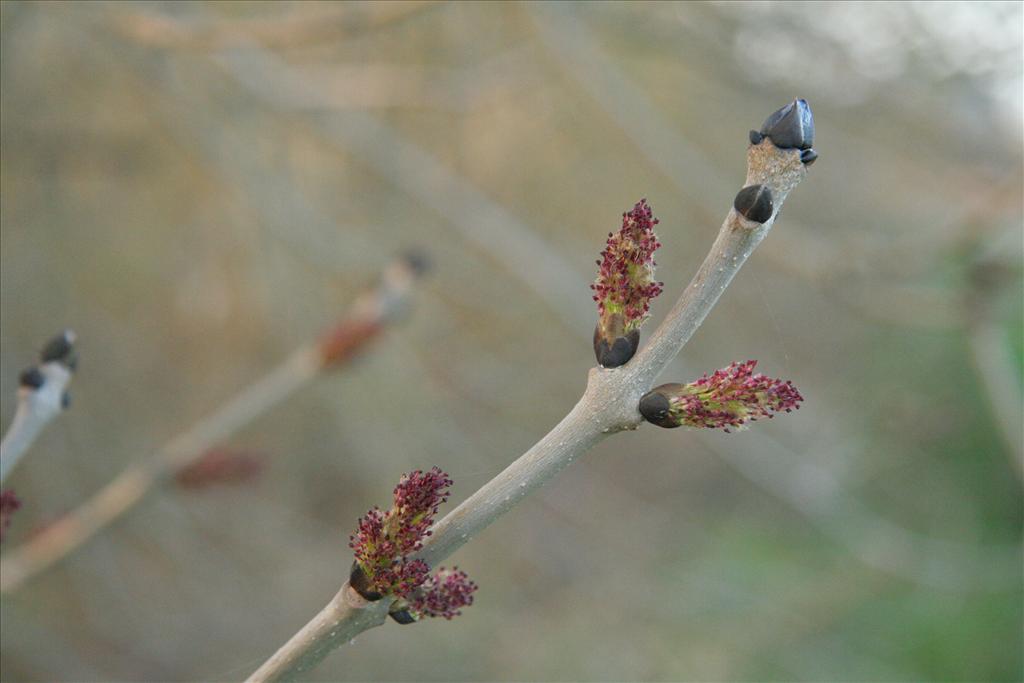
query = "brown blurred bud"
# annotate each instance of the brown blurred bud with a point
(220, 466)
(346, 339)
(9, 504)
(373, 310)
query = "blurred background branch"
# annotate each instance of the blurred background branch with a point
(42, 394)
(371, 312)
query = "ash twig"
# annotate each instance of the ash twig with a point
(609, 405)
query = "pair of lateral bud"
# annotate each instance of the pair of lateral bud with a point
(441, 594)
(59, 349)
(625, 285)
(362, 585)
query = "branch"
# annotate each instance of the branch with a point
(343, 618)
(608, 405)
(42, 394)
(370, 314)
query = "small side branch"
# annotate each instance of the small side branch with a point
(370, 314)
(42, 394)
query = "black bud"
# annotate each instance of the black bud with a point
(791, 127)
(755, 137)
(417, 261)
(618, 352)
(360, 583)
(31, 378)
(774, 118)
(808, 156)
(61, 349)
(754, 202)
(654, 406)
(402, 616)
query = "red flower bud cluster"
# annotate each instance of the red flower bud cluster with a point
(732, 396)
(443, 594)
(385, 539)
(625, 285)
(9, 504)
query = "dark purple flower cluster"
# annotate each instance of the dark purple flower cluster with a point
(9, 504)
(625, 285)
(401, 578)
(732, 396)
(443, 594)
(384, 540)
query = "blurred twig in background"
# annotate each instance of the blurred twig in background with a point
(478, 218)
(691, 171)
(42, 394)
(323, 24)
(370, 313)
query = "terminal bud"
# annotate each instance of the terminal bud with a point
(791, 127)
